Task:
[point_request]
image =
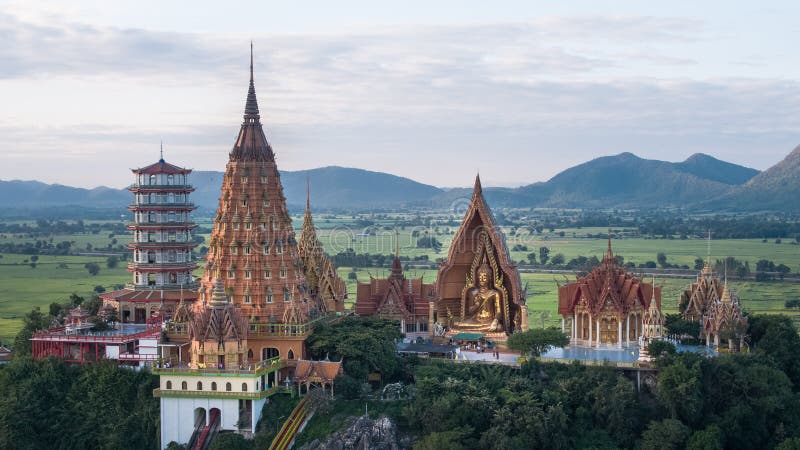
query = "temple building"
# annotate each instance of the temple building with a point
(254, 253)
(724, 321)
(409, 301)
(162, 246)
(321, 278)
(220, 390)
(704, 292)
(478, 287)
(607, 306)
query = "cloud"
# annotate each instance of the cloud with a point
(520, 100)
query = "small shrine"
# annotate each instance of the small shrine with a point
(316, 373)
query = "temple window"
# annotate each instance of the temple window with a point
(231, 275)
(244, 179)
(247, 274)
(244, 202)
(283, 272)
(169, 384)
(248, 226)
(279, 249)
(153, 180)
(173, 278)
(235, 225)
(266, 273)
(264, 180)
(290, 355)
(228, 387)
(250, 353)
(234, 250)
(172, 236)
(266, 202)
(213, 385)
(247, 247)
(266, 251)
(184, 386)
(170, 179)
(244, 387)
(247, 299)
(199, 385)
(286, 294)
(269, 296)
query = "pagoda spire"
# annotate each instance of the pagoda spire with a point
(251, 107)
(477, 189)
(609, 256)
(397, 266)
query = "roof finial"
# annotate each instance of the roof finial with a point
(608, 251)
(251, 107)
(251, 60)
(396, 243)
(708, 251)
(477, 189)
(308, 192)
(161, 158)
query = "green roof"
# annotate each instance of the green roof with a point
(468, 336)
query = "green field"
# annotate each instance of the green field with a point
(22, 287)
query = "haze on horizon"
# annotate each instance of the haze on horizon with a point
(433, 92)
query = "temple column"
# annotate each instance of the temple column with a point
(619, 333)
(574, 327)
(628, 330)
(431, 307)
(708, 340)
(562, 325)
(597, 324)
(716, 340)
(590, 330)
(524, 317)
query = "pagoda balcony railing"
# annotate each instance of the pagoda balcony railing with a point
(249, 369)
(164, 287)
(145, 204)
(179, 329)
(256, 395)
(165, 265)
(182, 187)
(137, 357)
(166, 223)
(158, 244)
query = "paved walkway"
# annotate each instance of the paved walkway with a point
(505, 358)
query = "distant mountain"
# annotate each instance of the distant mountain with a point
(32, 194)
(777, 188)
(710, 168)
(331, 188)
(625, 180)
(620, 181)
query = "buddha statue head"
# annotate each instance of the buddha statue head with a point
(484, 275)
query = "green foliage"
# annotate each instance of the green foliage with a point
(668, 434)
(33, 321)
(680, 390)
(444, 440)
(92, 268)
(775, 337)
(112, 262)
(709, 438)
(366, 344)
(544, 254)
(534, 342)
(675, 324)
(230, 441)
(660, 348)
(48, 404)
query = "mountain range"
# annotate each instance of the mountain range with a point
(621, 181)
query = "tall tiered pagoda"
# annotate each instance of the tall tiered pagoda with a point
(607, 306)
(321, 277)
(254, 252)
(703, 293)
(162, 245)
(725, 321)
(478, 287)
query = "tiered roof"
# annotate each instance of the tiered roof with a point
(608, 286)
(725, 315)
(321, 277)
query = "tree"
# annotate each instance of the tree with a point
(92, 268)
(531, 258)
(661, 257)
(536, 341)
(33, 321)
(679, 387)
(660, 348)
(544, 254)
(699, 263)
(668, 434)
(352, 276)
(230, 441)
(112, 262)
(558, 259)
(709, 438)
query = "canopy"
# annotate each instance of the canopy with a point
(468, 336)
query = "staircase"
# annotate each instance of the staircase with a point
(289, 429)
(208, 433)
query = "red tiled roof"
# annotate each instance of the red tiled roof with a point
(162, 167)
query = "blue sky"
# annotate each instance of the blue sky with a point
(429, 90)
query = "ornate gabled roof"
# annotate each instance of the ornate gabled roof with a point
(479, 210)
(607, 286)
(653, 316)
(725, 313)
(251, 144)
(219, 321)
(323, 370)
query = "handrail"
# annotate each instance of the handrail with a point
(289, 429)
(270, 364)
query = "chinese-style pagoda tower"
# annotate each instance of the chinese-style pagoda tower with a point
(321, 278)
(253, 249)
(607, 306)
(162, 245)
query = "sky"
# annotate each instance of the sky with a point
(433, 91)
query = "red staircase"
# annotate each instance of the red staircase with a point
(213, 424)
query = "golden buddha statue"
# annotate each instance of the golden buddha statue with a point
(483, 307)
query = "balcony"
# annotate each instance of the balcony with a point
(161, 244)
(188, 224)
(160, 187)
(161, 205)
(257, 395)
